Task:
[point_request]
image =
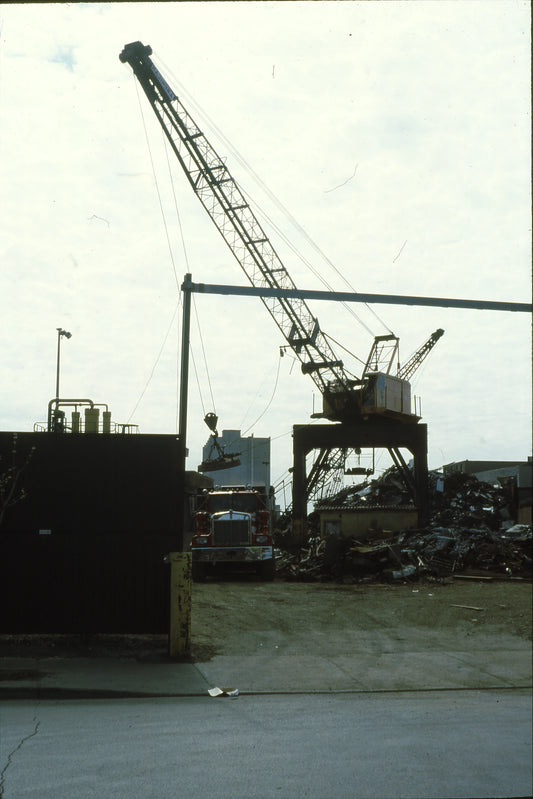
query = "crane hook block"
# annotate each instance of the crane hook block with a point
(211, 420)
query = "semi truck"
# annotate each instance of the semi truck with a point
(234, 531)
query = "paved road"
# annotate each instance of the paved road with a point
(420, 744)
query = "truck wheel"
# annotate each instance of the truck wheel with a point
(267, 570)
(198, 572)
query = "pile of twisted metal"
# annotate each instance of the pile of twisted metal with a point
(471, 533)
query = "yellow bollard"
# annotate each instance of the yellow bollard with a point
(180, 603)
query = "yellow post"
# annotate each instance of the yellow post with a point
(180, 603)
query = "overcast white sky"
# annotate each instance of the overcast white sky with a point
(398, 136)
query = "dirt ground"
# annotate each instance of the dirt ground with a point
(230, 615)
(238, 614)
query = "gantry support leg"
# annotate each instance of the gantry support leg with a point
(375, 434)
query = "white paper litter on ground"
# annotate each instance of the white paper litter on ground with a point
(223, 692)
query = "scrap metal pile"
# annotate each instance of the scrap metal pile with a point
(471, 531)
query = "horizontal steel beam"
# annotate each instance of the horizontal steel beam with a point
(353, 296)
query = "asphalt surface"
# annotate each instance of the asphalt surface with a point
(337, 746)
(406, 721)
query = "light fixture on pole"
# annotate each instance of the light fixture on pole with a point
(60, 333)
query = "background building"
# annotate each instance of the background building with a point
(516, 475)
(253, 454)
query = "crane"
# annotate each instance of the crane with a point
(346, 398)
(409, 368)
(329, 464)
(227, 206)
(231, 213)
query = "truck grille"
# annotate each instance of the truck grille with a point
(229, 532)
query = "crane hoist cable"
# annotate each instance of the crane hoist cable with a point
(157, 187)
(277, 202)
(230, 211)
(176, 207)
(204, 354)
(263, 214)
(197, 380)
(338, 344)
(232, 215)
(344, 399)
(320, 252)
(186, 258)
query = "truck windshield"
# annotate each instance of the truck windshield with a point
(232, 501)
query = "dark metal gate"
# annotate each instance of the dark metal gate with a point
(84, 550)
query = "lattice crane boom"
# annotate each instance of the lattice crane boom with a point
(228, 208)
(410, 367)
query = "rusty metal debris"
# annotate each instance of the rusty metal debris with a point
(471, 531)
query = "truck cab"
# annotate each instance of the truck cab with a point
(234, 530)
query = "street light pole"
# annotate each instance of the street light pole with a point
(60, 333)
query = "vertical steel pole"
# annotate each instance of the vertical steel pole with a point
(179, 634)
(184, 377)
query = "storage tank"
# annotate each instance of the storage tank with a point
(76, 421)
(106, 422)
(92, 419)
